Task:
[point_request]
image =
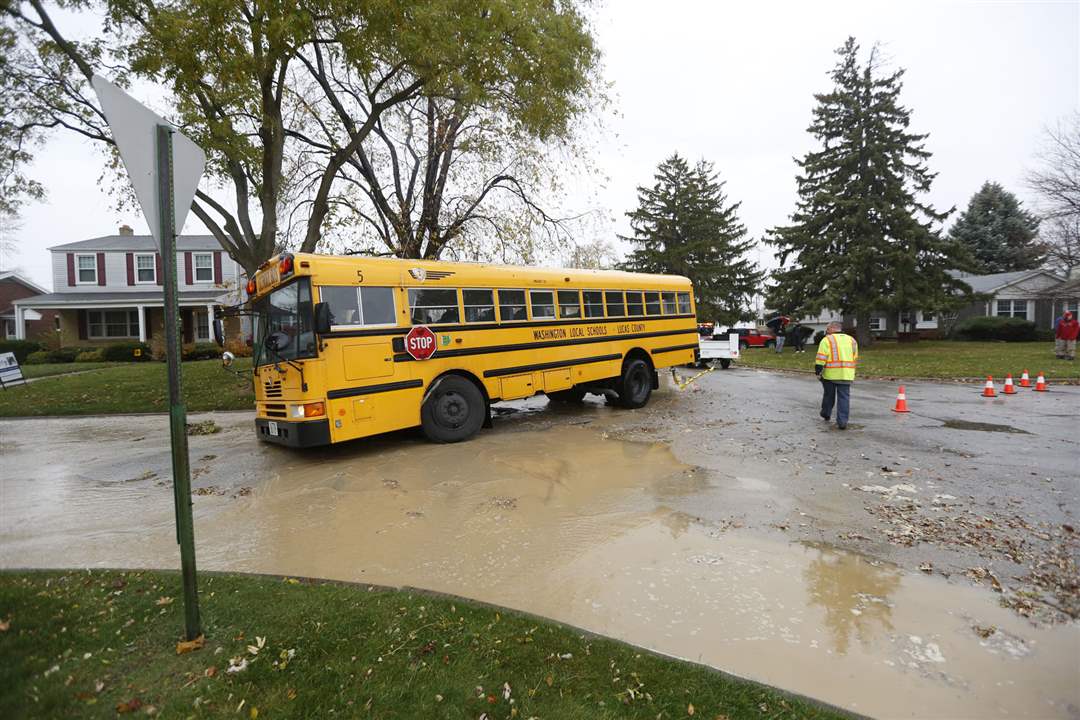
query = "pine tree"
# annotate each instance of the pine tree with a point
(998, 232)
(860, 240)
(684, 226)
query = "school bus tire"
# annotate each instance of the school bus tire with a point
(454, 411)
(636, 383)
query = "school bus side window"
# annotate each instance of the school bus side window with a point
(433, 306)
(512, 305)
(350, 306)
(479, 305)
(670, 307)
(652, 303)
(615, 307)
(634, 305)
(569, 304)
(594, 303)
(543, 304)
(684, 303)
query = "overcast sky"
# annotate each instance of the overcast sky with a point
(733, 82)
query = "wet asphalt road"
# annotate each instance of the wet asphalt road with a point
(725, 523)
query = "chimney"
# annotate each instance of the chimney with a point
(126, 230)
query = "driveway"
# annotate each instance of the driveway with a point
(725, 523)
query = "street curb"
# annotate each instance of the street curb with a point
(904, 378)
(371, 587)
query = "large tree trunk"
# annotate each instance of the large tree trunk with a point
(862, 329)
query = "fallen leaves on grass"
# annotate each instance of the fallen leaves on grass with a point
(130, 706)
(164, 600)
(5, 624)
(186, 646)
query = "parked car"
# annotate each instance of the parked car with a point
(753, 337)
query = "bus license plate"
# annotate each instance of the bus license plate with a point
(271, 427)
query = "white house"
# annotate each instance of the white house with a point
(108, 289)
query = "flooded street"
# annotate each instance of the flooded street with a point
(711, 525)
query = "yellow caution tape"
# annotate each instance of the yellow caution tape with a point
(682, 385)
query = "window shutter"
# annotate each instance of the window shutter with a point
(71, 269)
(82, 325)
(187, 268)
(101, 268)
(131, 269)
(217, 267)
(157, 268)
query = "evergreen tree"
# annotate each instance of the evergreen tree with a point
(684, 226)
(999, 233)
(860, 240)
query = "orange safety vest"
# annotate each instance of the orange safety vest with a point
(839, 353)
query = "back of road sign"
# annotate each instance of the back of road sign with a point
(133, 127)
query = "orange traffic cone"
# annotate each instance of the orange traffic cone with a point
(1009, 389)
(988, 390)
(1025, 381)
(1040, 383)
(901, 401)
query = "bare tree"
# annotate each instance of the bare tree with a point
(1057, 183)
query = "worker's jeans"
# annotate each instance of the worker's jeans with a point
(838, 394)
(1065, 348)
(779, 343)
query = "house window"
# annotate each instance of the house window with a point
(1012, 308)
(104, 324)
(204, 267)
(202, 325)
(877, 323)
(87, 269)
(928, 316)
(145, 269)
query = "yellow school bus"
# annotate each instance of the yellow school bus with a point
(348, 347)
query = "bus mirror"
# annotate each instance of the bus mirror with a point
(219, 332)
(227, 359)
(322, 318)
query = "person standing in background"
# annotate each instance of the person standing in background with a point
(837, 356)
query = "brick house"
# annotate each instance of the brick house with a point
(40, 326)
(109, 289)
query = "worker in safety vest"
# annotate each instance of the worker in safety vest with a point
(837, 355)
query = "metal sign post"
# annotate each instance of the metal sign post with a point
(185, 525)
(165, 184)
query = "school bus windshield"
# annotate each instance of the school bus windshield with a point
(287, 311)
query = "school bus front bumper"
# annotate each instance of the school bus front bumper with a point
(300, 433)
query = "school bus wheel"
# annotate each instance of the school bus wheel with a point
(573, 395)
(453, 411)
(635, 385)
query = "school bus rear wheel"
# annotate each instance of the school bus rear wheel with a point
(635, 386)
(454, 411)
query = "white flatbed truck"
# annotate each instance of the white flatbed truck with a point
(722, 348)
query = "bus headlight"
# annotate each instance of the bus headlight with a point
(308, 410)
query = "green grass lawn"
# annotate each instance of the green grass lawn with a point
(95, 644)
(130, 387)
(49, 369)
(934, 359)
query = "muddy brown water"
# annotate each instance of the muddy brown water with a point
(555, 519)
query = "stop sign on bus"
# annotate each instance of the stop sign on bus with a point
(420, 342)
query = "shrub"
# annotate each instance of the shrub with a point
(202, 351)
(90, 356)
(37, 358)
(238, 348)
(126, 352)
(21, 348)
(996, 328)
